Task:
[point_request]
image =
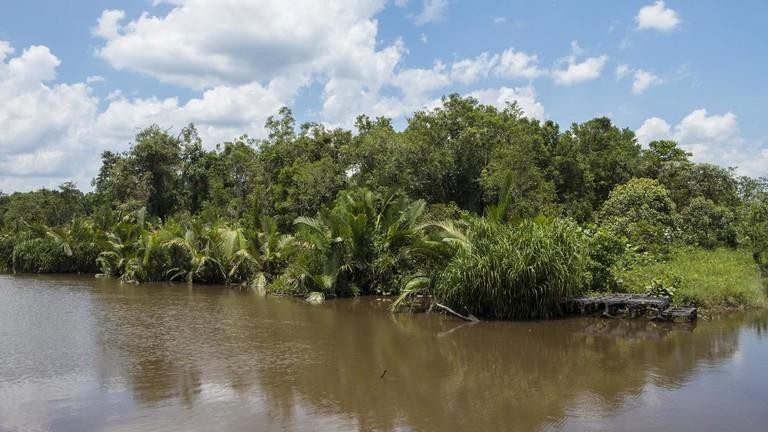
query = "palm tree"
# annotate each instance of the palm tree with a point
(355, 247)
(197, 241)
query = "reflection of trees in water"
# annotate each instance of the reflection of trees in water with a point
(758, 321)
(482, 376)
(331, 357)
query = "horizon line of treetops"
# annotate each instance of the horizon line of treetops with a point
(424, 187)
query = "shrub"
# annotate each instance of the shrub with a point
(755, 230)
(659, 288)
(515, 272)
(40, 255)
(7, 242)
(642, 212)
(706, 224)
(606, 251)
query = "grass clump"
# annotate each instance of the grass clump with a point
(515, 271)
(713, 278)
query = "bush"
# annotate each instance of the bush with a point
(7, 242)
(642, 212)
(515, 272)
(606, 250)
(40, 255)
(755, 230)
(706, 224)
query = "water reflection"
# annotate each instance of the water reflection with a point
(165, 357)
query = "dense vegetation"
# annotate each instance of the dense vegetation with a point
(481, 209)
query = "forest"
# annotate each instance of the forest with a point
(480, 208)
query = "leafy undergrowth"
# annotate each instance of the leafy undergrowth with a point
(718, 278)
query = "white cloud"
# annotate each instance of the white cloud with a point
(657, 17)
(653, 129)
(644, 80)
(700, 127)
(108, 24)
(469, 70)
(578, 72)
(5, 50)
(92, 79)
(711, 138)
(622, 71)
(41, 123)
(524, 96)
(434, 10)
(32, 112)
(202, 44)
(55, 132)
(416, 84)
(516, 64)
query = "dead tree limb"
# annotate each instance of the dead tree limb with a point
(469, 317)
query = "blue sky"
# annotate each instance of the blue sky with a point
(77, 78)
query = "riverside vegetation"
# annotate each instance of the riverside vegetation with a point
(481, 209)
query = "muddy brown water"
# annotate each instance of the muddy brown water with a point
(84, 354)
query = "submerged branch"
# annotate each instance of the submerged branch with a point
(469, 317)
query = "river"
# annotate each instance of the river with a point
(85, 354)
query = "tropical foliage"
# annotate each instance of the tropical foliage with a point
(479, 208)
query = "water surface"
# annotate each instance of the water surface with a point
(84, 354)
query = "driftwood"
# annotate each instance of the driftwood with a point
(469, 317)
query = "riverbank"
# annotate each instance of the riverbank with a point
(717, 279)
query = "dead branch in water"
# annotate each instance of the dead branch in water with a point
(469, 317)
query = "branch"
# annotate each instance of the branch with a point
(469, 317)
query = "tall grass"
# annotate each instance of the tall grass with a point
(708, 278)
(515, 271)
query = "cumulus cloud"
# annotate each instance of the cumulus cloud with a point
(55, 132)
(579, 72)
(622, 71)
(570, 70)
(41, 123)
(711, 138)
(642, 80)
(524, 96)
(92, 79)
(108, 25)
(202, 44)
(657, 17)
(653, 129)
(433, 10)
(516, 64)
(469, 70)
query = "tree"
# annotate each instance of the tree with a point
(156, 156)
(686, 180)
(642, 212)
(447, 149)
(234, 179)
(521, 166)
(659, 154)
(195, 164)
(590, 160)
(706, 224)
(301, 173)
